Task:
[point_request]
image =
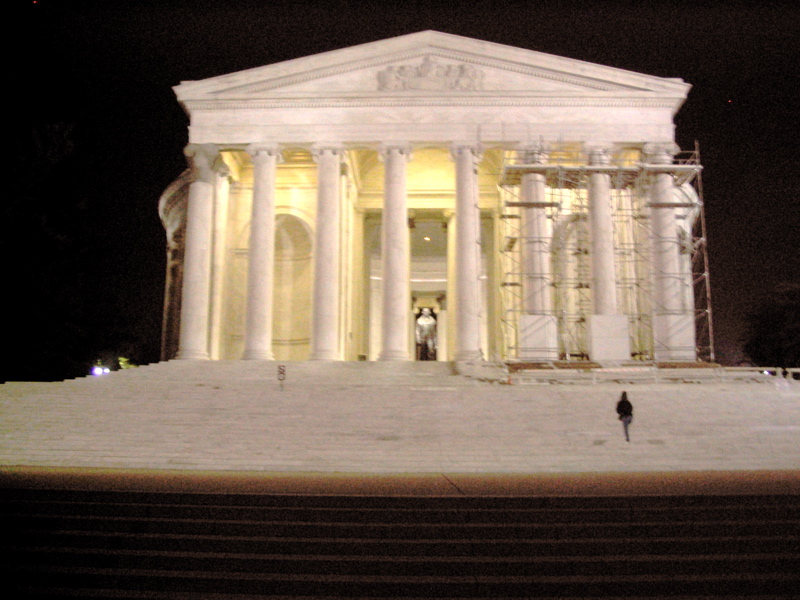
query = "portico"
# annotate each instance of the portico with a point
(330, 198)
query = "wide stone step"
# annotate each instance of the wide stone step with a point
(392, 565)
(163, 584)
(45, 497)
(366, 547)
(307, 372)
(404, 515)
(393, 511)
(411, 531)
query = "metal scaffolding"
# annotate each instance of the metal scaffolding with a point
(569, 282)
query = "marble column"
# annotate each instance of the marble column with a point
(261, 257)
(538, 329)
(601, 227)
(195, 296)
(219, 252)
(325, 317)
(608, 330)
(448, 319)
(673, 317)
(468, 253)
(395, 255)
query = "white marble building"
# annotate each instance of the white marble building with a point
(533, 202)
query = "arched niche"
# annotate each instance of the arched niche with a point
(291, 330)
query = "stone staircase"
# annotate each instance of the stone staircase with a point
(255, 375)
(171, 545)
(382, 417)
(306, 372)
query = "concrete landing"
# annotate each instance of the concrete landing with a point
(390, 419)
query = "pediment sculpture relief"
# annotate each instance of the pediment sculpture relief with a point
(430, 75)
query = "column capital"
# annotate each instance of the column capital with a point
(402, 148)
(460, 148)
(201, 158)
(536, 154)
(223, 170)
(320, 150)
(660, 153)
(599, 154)
(261, 151)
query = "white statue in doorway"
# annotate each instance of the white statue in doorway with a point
(426, 334)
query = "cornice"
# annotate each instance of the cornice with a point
(454, 101)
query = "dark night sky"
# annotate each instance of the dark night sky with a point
(97, 136)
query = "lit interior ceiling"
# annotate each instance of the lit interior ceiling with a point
(430, 183)
(428, 238)
(430, 174)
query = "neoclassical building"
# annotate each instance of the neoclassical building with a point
(537, 205)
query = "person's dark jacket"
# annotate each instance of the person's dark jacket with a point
(624, 407)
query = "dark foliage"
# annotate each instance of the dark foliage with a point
(57, 255)
(773, 332)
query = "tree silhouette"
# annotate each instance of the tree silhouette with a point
(772, 337)
(63, 305)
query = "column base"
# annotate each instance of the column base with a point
(325, 356)
(469, 356)
(674, 338)
(538, 337)
(608, 338)
(394, 355)
(258, 355)
(192, 355)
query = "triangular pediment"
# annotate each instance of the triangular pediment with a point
(423, 65)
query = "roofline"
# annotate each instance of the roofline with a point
(417, 43)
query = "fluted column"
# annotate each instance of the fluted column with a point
(468, 253)
(195, 296)
(325, 317)
(538, 334)
(608, 330)
(601, 227)
(221, 200)
(395, 255)
(449, 335)
(261, 257)
(535, 235)
(673, 320)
